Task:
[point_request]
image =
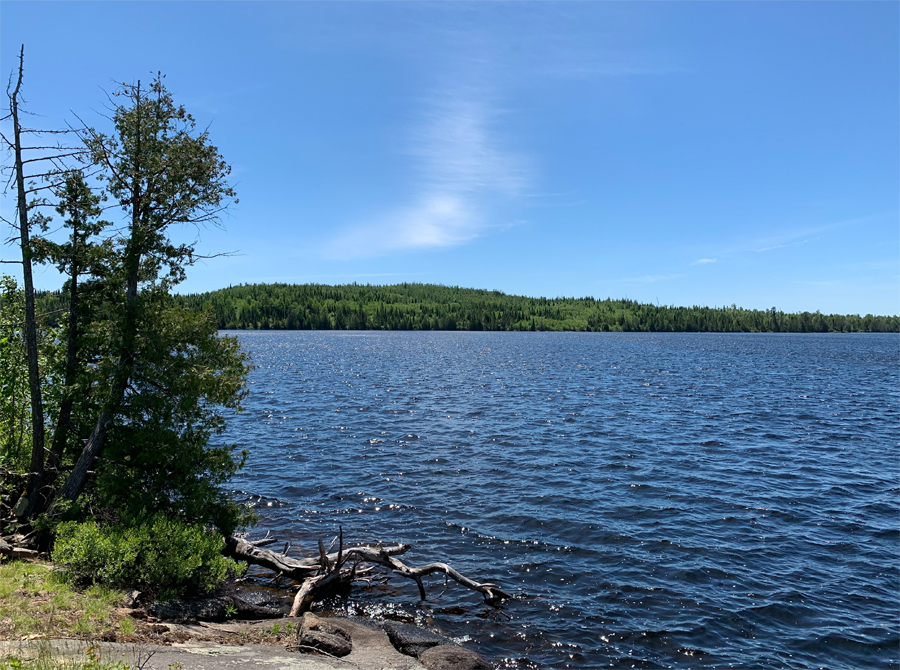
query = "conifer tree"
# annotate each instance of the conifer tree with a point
(162, 173)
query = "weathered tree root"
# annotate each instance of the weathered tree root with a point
(319, 577)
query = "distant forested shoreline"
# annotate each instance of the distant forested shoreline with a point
(437, 307)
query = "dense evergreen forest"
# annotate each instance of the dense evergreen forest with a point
(434, 307)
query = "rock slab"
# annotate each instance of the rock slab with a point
(452, 657)
(318, 634)
(411, 640)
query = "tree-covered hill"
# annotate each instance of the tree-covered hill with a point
(434, 307)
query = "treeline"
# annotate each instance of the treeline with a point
(435, 307)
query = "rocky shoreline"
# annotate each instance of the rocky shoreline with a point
(242, 615)
(241, 623)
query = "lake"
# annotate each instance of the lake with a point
(655, 500)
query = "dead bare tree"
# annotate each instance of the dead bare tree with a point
(47, 163)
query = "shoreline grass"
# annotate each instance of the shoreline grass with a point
(39, 601)
(40, 655)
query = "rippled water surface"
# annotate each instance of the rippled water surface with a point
(657, 500)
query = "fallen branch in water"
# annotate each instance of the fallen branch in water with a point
(321, 576)
(297, 569)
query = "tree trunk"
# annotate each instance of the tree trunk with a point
(77, 479)
(31, 350)
(61, 432)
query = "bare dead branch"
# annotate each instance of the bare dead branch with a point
(35, 189)
(55, 157)
(223, 254)
(41, 131)
(297, 569)
(41, 175)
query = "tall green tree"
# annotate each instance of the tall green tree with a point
(81, 256)
(162, 173)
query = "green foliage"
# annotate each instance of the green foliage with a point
(278, 629)
(80, 253)
(433, 307)
(159, 457)
(15, 400)
(15, 412)
(36, 599)
(159, 371)
(154, 150)
(162, 556)
(124, 361)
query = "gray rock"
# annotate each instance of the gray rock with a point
(218, 608)
(412, 640)
(319, 634)
(452, 657)
(327, 642)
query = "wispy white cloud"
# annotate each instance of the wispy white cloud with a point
(703, 261)
(458, 151)
(788, 238)
(461, 171)
(793, 237)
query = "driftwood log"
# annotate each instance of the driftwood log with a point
(14, 551)
(323, 575)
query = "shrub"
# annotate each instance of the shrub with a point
(163, 557)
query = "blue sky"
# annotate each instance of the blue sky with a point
(680, 153)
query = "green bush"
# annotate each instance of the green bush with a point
(163, 557)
